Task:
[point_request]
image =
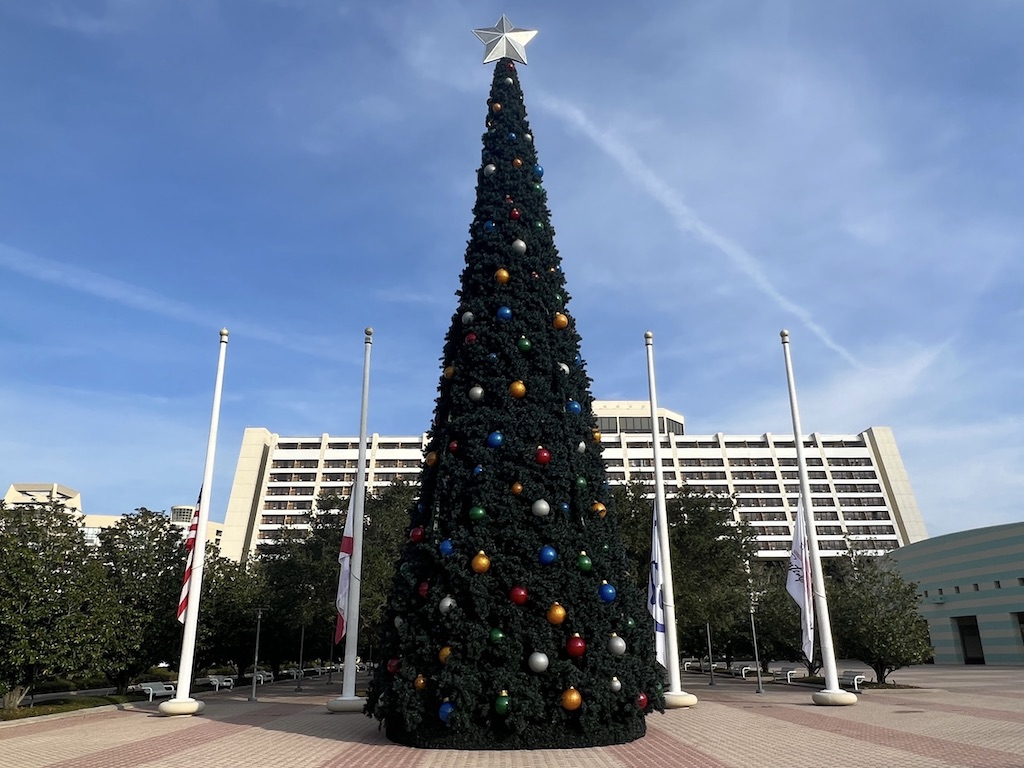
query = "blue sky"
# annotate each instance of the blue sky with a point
(299, 169)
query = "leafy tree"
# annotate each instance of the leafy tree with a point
(232, 595)
(56, 614)
(710, 556)
(143, 557)
(875, 615)
(634, 504)
(778, 618)
(513, 492)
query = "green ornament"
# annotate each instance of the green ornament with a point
(501, 704)
(537, 186)
(524, 344)
(477, 513)
(559, 299)
(630, 624)
(497, 635)
(606, 547)
(538, 225)
(583, 562)
(581, 483)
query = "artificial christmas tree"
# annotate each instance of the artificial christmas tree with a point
(513, 621)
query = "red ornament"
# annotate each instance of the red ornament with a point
(417, 534)
(423, 588)
(543, 456)
(641, 700)
(576, 646)
(394, 665)
(510, 64)
(470, 338)
(453, 446)
(518, 595)
(514, 214)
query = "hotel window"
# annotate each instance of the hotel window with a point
(975, 587)
(998, 584)
(956, 590)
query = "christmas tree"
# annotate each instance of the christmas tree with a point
(513, 622)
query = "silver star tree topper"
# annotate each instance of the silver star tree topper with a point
(503, 41)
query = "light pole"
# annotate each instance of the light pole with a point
(256, 656)
(757, 657)
(302, 645)
(711, 659)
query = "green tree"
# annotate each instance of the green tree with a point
(874, 615)
(143, 557)
(56, 614)
(778, 618)
(232, 595)
(513, 490)
(710, 556)
(634, 504)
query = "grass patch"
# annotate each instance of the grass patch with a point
(69, 704)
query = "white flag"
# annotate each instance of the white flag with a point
(798, 582)
(655, 600)
(345, 559)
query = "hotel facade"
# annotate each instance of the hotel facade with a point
(860, 491)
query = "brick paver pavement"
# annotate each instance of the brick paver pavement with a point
(960, 716)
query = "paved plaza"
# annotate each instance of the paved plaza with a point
(959, 716)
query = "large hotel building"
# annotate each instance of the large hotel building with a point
(860, 491)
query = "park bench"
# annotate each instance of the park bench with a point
(698, 665)
(742, 669)
(790, 673)
(851, 677)
(222, 681)
(156, 689)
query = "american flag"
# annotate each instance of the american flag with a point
(190, 548)
(345, 560)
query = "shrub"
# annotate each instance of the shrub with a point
(53, 685)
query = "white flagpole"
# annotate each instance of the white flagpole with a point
(348, 701)
(182, 703)
(832, 695)
(675, 696)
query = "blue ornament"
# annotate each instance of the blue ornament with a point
(445, 711)
(538, 171)
(446, 547)
(492, 355)
(579, 360)
(419, 506)
(607, 592)
(504, 314)
(478, 469)
(489, 226)
(547, 554)
(564, 506)
(573, 407)
(512, 136)
(495, 440)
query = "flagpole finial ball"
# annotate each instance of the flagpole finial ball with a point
(648, 335)
(784, 334)
(368, 331)
(223, 334)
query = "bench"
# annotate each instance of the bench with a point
(222, 681)
(851, 677)
(262, 676)
(790, 673)
(698, 666)
(156, 689)
(742, 670)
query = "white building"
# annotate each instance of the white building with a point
(860, 490)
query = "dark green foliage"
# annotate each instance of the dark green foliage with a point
(484, 350)
(778, 617)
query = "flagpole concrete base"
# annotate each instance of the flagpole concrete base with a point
(834, 698)
(679, 699)
(347, 704)
(174, 707)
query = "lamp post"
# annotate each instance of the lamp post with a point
(302, 647)
(757, 656)
(256, 655)
(711, 659)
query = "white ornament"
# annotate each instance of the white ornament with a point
(398, 622)
(563, 368)
(489, 169)
(541, 508)
(616, 645)
(476, 394)
(504, 41)
(467, 318)
(616, 685)
(582, 447)
(446, 604)
(519, 247)
(508, 81)
(538, 661)
(528, 136)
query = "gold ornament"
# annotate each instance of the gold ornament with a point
(556, 613)
(571, 699)
(597, 435)
(517, 163)
(561, 322)
(431, 459)
(502, 276)
(517, 488)
(481, 563)
(449, 371)
(599, 509)
(444, 653)
(517, 389)
(496, 107)
(420, 683)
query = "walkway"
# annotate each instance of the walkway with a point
(965, 716)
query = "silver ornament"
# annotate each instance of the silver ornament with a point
(538, 661)
(398, 622)
(503, 41)
(582, 447)
(489, 169)
(519, 247)
(476, 394)
(467, 318)
(616, 685)
(528, 136)
(508, 81)
(446, 604)
(541, 508)
(563, 368)
(616, 645)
